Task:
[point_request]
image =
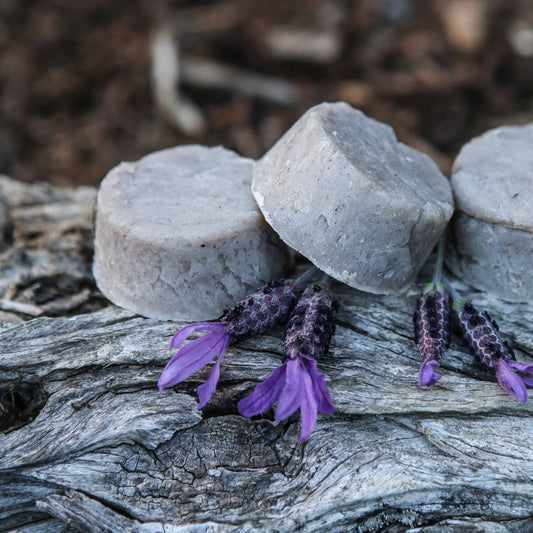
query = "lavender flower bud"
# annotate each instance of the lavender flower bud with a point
(432, 331)
(481, 335)
(252, 316)
(297, 384)
(260, 311)
(312, 323)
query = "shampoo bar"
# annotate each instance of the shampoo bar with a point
(339, 188)
(492, 234)
(179, 235)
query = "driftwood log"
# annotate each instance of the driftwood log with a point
(88, 444)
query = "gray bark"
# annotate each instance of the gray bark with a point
(88, 444)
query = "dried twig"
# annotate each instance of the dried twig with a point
(208, 74)
(19, 307)
(173, 105)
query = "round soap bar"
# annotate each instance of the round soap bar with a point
(179, 235)
(492, 234)
(339, 188)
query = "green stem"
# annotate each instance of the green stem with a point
(326, 281)
(457, 300)
(301, 282)
(440, 259)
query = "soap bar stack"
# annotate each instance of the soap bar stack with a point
(179, 235)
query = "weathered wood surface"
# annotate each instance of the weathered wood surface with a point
(88, 444)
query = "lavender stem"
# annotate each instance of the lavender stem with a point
(440, 259)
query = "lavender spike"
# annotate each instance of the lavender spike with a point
(297, 384)
(432, 324)
(480, 333)
(252, 316)
(432, 331)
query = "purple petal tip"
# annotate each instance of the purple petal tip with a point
(192, 357)
(265, 394)
(295, 385)
(427, 376)
(207, 389)
(511, 382)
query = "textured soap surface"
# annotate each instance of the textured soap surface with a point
(492, 235)
(339, 188)
(179, 235)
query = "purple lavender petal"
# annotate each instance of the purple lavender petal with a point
(510, 381)
(264, 395)
(183, 333)
(522, 367)
(292, 394)
(189, 359)
(320, 389)
(207, 389)
(427, 376)
(308, 407)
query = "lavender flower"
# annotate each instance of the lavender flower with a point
(432, 331)
(252, 316)
(480, 333)
(297, 382)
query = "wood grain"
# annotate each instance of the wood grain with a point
(88, 444)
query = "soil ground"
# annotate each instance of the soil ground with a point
(76, 95)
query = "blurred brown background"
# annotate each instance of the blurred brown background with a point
(86, 84)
